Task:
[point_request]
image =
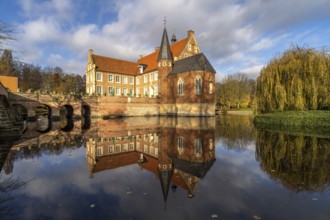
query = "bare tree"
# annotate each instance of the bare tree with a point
(6, 32)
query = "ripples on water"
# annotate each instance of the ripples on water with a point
(163, 168)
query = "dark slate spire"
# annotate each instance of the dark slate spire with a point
(165, 50)
(165, 181)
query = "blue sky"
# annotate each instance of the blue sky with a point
(235, 35)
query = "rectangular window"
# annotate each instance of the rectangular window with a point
(99, 151)
(99, 77)
(125, 147)
(146, 137)
(110, 78)
(118, 148)
(137, 80)
(145, 91)
(156, 76)
(125, 79)
(99, 90)
(117, 79)
(125, 91)
(111, 91)
(118, 91)
(131, 146)
(156, 90)
(111, 149)
(151, 77)
(145, 78)
(131, 92)
(131, 80)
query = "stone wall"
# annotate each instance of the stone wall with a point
(105, 106)
(188, 109)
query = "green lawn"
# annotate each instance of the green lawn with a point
(301, 122)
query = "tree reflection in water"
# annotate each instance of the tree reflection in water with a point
(298, 162)
(8, 190)
(235, 131)
(8, 185)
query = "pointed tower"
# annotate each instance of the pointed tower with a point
(165, 62)
(165, 165)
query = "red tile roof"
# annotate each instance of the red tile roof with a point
(109, 162)
(112, 65)
(151, 59)
(178, 47)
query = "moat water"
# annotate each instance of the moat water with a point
(163, 168)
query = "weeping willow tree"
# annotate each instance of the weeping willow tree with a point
(299, 79)
(300, 163)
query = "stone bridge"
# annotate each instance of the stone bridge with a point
(52, 105)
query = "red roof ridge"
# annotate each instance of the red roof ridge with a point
(114, 58)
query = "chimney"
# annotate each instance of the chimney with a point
(140, 57)
(190, 33)
(157, 49)
(90, 52)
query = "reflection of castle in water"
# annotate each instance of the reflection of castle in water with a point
(180, 151)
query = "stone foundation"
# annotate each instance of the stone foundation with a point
(125, 106)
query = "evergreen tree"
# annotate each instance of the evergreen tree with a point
(7, 64)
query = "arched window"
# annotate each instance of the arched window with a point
(198, 147)
(210, 87)
(180, 87)
(198, 85)
(180, 144)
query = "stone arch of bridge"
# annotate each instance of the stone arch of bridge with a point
(85, 117)
(43, 113)
(85, 110)
(66, 115)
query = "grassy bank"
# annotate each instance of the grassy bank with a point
(241, 111)
(299, 122)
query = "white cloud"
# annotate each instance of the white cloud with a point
(59, 9)
(252, 71)
(263, 44)
(40, 31)
(230, 33)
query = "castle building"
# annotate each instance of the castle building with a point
(178, 75)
